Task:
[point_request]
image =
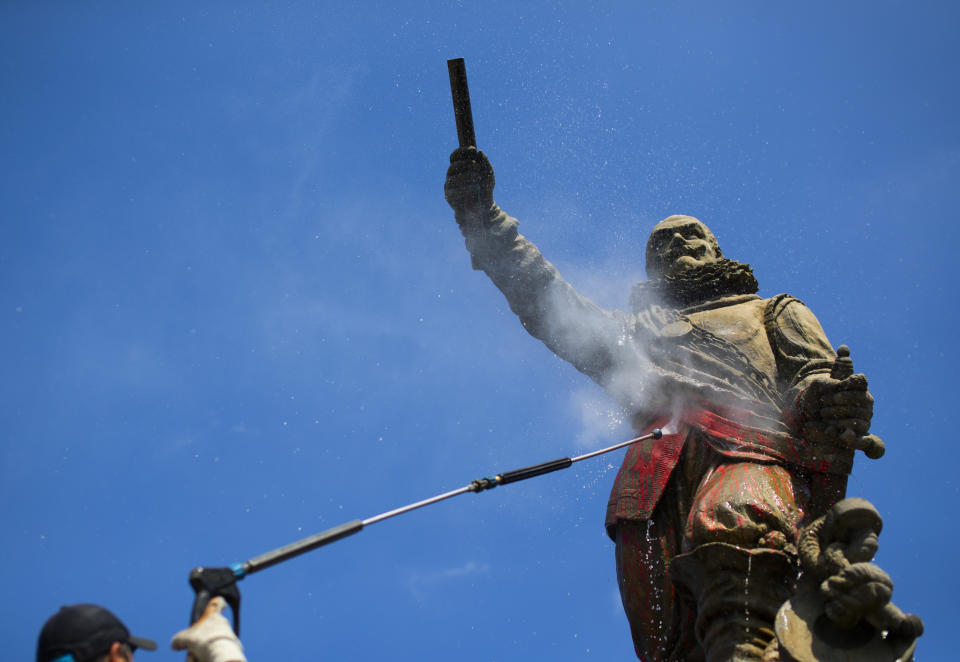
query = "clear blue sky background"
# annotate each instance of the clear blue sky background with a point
(235, 308)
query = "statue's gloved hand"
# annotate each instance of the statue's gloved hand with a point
(837, 411)
(469, 185)
(210, 639)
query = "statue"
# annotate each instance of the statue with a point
(842, 610)
(760, 418)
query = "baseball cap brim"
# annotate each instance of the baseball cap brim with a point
(141, 643)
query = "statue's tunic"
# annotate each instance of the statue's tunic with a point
(718, 378)
(780, 346)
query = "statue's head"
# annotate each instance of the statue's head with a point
(679, 243)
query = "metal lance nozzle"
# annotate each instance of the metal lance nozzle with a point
(553, 465)
(211, 582)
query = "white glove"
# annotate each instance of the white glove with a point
(210, 639)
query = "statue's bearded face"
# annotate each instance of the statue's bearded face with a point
(680, 243)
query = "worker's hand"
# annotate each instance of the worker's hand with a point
(469, 185)
(210, 639)
(839, 411)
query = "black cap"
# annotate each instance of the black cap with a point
(84, 631)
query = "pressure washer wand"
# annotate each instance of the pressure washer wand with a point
(211, 582)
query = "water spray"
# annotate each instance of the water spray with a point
(209, 583)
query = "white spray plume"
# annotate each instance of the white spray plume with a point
(600, 419)
(611, 346)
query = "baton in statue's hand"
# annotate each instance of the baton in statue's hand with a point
(461, 102)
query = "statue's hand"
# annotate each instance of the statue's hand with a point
(838, 411)
(846, 406)
(469, 185)
(855, 591)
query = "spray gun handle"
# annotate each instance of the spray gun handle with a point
(209, 583)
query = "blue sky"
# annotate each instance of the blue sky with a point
(236, 309)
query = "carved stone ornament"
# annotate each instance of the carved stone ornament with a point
(842, 612)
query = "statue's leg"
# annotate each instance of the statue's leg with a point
(661, 623)
(741, 563)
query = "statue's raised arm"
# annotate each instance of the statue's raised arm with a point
(572, 326)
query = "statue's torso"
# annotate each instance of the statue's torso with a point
(741, 325)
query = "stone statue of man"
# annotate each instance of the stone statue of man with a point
(758, 437)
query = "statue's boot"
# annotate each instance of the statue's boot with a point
(737, 593)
